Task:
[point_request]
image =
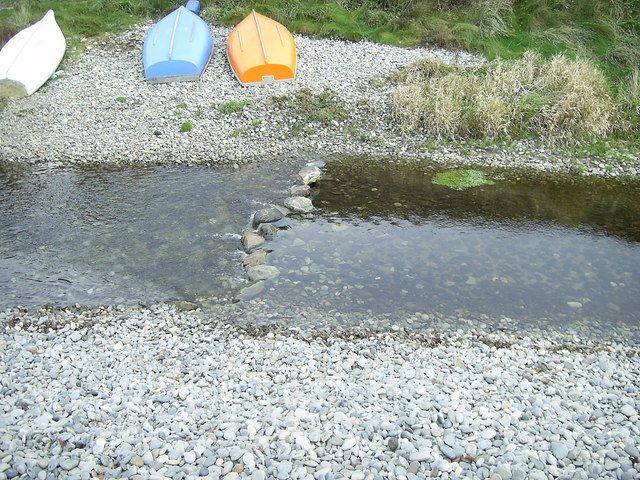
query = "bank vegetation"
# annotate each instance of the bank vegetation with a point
(564, 70)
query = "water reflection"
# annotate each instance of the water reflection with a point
(388, 240)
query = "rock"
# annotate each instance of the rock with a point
(184, 306)
(309, 174)
(267, 215)
(560, 450)
(252, 240)
(299, 204)
(250, 291)
(627, 410)
(489, 433)
(262, 272)
(257, 257)
(267, 230)
(300, 191)
(393, 444)
(69, 463)
(349, 443)
(422, 454)
(574, 305)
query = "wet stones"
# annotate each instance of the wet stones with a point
(262, 272)
(251, 240)
(309, 174)
(267, 215)
(300, 191)
(299, 204)
(257, 257)
(264, 222)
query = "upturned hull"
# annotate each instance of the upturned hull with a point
(260, 50)
(29, 58)
(177, 48)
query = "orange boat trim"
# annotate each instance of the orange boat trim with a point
(260, 50)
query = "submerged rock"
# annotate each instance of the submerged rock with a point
(257, 257)
(300, 191)
(250, 291)
(262, 272)
(267, 230)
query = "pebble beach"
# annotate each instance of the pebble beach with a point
(245, 391)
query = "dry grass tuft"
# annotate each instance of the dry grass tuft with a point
(581, 107)
(628, 119)
(558, 100)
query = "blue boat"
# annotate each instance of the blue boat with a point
(178, 47)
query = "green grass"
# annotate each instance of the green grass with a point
(233, 106)
(606, 31)
(305, 107)
(79, 18)
(186, 127)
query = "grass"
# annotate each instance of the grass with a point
(233, 106)
(605, 31)
(306, 107)
(186, 127)
(602, 33)
(558, 100)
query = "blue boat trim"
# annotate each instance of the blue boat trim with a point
(194, 6)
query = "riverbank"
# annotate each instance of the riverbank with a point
(100, 110)
(153, 393)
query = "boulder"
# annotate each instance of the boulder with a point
(252, 240)
(267, 215)
(309, 174)
(257, 257)
(299, 204)
(300, 191)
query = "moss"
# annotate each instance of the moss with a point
(461, 179)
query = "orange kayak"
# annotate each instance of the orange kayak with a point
(260, 50)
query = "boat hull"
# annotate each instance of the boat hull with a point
(177, 48)
(260, 50)
(29, 58)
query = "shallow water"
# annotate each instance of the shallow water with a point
(385, 240)
(388, 240)
(94, 236)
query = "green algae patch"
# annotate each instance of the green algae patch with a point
(461, 179)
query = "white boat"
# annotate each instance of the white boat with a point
(29, 58)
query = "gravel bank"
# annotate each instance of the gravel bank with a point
(155, 393)
(100, 109)
(78, 118)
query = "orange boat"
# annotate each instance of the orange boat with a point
(260, 50)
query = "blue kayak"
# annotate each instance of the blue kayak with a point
(178, 47)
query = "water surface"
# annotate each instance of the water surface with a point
(388, 240)
(94, 236)
(384, 241)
